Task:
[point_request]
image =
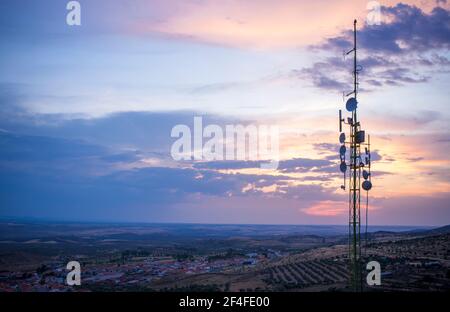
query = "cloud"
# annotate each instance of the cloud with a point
(39, 148)
(48, 160)
(327, 208)
(220, 87)
(401, 75)
(250, 24)
(59, 176)
(414, 159)
(303, 164)
(72, 178)
(407, 29)
(375, 155)
(147, 131)
(286, 166)
(120, 164)
(321, 77)
(409, 38)
(228, 164)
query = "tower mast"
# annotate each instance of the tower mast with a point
(357, 139)
(355, 218)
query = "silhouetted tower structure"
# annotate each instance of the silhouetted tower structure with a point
(357, 167)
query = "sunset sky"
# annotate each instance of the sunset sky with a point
(86, 111)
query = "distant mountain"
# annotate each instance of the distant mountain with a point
(440, 230)
(416, 231)
(427, 232)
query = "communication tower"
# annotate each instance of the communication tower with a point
(359, 164)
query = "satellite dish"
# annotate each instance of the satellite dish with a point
(365, 175)
(351, 104)
(367, 185)
(343, 166)
(342, 138)
(342, 150)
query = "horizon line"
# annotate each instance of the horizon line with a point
(37, 219)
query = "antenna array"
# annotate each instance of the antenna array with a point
(359, 164)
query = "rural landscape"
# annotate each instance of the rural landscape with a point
(197, 257)
(253, 150)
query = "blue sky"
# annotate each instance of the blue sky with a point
(86, 111)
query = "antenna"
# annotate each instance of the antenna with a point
(357, 138)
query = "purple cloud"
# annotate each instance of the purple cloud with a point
(394, 48)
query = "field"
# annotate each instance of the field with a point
(215, 257)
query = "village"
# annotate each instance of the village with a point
(139, 271)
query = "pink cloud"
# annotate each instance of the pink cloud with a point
(252, 23)
(327, 208)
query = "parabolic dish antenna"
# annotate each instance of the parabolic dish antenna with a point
(343, 166)
(367, 185)
(365, 175)
(342, 138)
(342, 150)
(351, 104)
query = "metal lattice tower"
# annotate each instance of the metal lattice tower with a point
(355, 168)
